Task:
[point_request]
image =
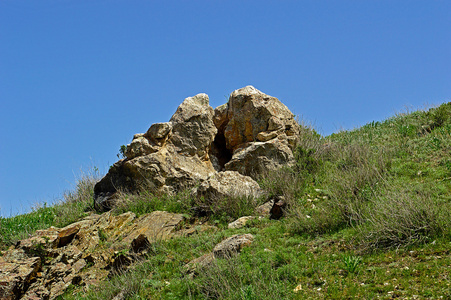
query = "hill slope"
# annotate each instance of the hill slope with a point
(367, 215)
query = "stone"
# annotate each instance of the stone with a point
(158, 225)
(250, 112)
(266, 136)
(227, 248)
(240, 222)
(193, 127)
(83, 253)
(232, 245)
(67, 234)
(40, 242)
(159, 131)
(264, 210)
(139, 146)
(228, 184)
(197, 264)
(256, 158)
(17, 275)
(272, 209)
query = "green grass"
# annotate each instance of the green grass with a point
(368, 217)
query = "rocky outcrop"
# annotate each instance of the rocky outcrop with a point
(250, 134)
(83, 253)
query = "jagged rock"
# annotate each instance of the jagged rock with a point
(43, 239)
(197, 264)
(158, 225)
(159, 133)
(83, 253)
(139, 146)
(264, 210)
(17, 275)
(251, 134)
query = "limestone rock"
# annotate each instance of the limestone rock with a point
(251, 112)
(273, 209)
(193, 126)
(140, 146)
(199, 263)
(264, 210)
(158, 225)
(256, 158)
(251, 134)
(228, 184)
(159, 132)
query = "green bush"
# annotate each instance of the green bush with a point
(401, 217)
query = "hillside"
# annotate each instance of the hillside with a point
(366, 214)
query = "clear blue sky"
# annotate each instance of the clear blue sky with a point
(79, 78)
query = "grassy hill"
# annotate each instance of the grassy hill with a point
(368, 216)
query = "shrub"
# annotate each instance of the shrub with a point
(402, 217)
(241, 277)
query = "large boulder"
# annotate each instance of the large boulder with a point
(256, 133)
(253, 115)
(194, 129)
(167, 158)
(228, 184)
(256, 158)
(249, 135)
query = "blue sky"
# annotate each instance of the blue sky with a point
(79, 78)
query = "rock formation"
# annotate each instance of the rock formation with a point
(83, 253)
(87, 252)
(250, 134)
(214, 152)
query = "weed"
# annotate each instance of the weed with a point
(122, 151)
(351, 263)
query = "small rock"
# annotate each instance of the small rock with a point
(199, 263)
(264, 210)
(298, 288)
(278, 210)
(241, 222)
(232, 245)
